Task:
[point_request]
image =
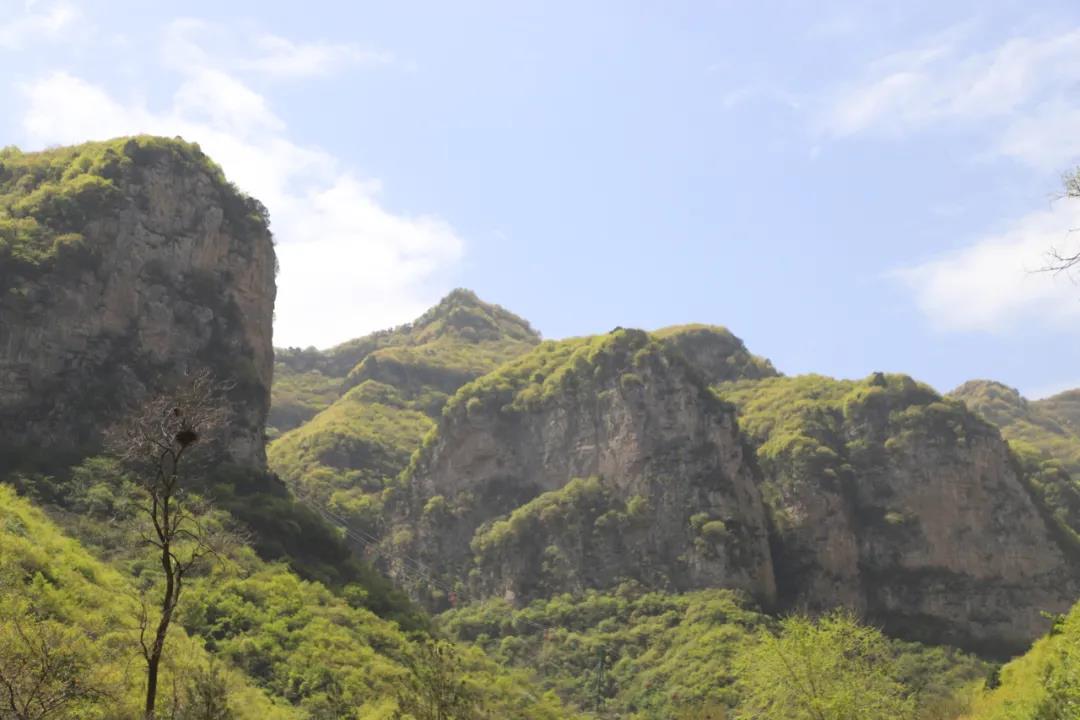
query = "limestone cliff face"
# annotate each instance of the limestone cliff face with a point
(583, 464)
(906, 507)
(174, 271)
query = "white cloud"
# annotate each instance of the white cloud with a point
(996, 285)
(30, 26)
(348, 265)
(187, 41)
(283, 58)
(1023, 92)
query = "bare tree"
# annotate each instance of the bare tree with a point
(1060, 261)
(43, 671)
(156, 442)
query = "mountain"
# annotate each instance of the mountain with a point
(1050, 427)
(123, 265)
(614, 526)
(382, 394)
(583, 463)
(905, 505)
(680, 461)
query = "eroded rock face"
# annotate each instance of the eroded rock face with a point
(908, 508)
(672, 502)
(178, 274)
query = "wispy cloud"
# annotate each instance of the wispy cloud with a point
(32, 24)
(192, 41)
(348, 265)
(1023, 92)
(280, 57)
(997, 285)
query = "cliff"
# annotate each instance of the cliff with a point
(123, 265)
(583, 464)
(366, 404)
(887, 498)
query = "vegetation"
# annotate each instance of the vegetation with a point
(684, 656)
(812, 428)
(1042, 684)
(284, 647)
(718, 354)
(384, 403)
(1045, 437)
(832, 668)
(47, 198)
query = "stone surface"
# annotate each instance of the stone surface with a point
(178, 280)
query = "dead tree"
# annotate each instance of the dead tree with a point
(156, 442)
(1064, 261)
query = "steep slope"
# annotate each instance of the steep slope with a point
(582, 464)
(51, 587)
(893, 500)
(123, 265)
(290, 648)
(457, 340)
(1050, 426)
(388, 389)
(1042, 684)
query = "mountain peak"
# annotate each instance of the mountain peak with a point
(462, 313)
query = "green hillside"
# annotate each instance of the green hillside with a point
(675, 656)
(287, 648)
(366, 405)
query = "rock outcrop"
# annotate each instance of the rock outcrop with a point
(125, 265)
(581, 465)
(905, 506)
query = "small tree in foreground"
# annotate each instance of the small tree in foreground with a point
(829, 669)
(156, 443)
(206, 696)
(436, 688)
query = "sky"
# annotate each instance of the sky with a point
(848, 186)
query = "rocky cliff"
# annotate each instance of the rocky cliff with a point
(678, 460)
(887, 498)
(583, 464)
(124, 265)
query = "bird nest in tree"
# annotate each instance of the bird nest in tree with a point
(186, 437)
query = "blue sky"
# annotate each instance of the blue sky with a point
(849, 186)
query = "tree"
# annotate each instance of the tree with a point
(156, 441)
(436, 688)
(829, 669)
(1062, 261)
(206, 696)
(45, 669)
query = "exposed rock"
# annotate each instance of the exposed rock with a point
(906, 507)
(673, 502)
(174, 273)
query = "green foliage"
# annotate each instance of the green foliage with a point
(716, 352)
(359, 411)
(816, 429)
(831, 669)
(47, 198)
(670, 656)
(284, 647)
(547, 514)
(1043, 684)
(437, 687)
(1045, 437)
(299, 396)
(206, 696)
(89, 609)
